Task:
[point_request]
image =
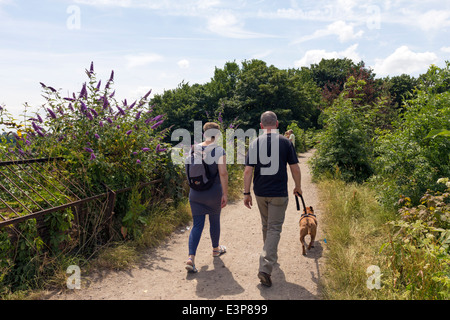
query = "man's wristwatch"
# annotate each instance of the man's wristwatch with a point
(246, 193)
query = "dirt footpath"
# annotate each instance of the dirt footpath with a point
(161, 274)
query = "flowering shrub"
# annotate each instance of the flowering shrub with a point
(104, 141)
(105, 144)
(419, 252)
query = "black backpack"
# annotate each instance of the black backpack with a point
(197, 170)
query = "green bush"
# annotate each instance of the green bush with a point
(344, 147)
(408, 162)
(419, 251)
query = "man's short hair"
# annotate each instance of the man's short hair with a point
(269, 119)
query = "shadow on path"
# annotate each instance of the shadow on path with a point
(215, 283)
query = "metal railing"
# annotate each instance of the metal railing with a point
(30, 177)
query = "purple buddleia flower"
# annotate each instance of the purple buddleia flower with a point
(125, 102)
(111, 79)
(109, 120)
(99, 84)
(92, 67)
(83, 93)
(120, 110)
(89, 115)
(40, 133)
(92, 157)
(118, 126)
(88, 150)
(36, 127)
(138, 161)
(94, 113)
(159, 149)
(43, 85)
(39, 118)
(112, 94)
(83, 107)
(96, 136)
(148, 121)
(220, 117)
(105, 102)
(69, 99)
(52, 89)
(134, 153)
(156, 125)
(129, 132)
(138, 115)
(27, 142)
(100, 124)
(70, 107)
(147, 94)
(145, 149)
(52, 114)
(20, 151)
(132, 105)
(157, 118)
(61, 138)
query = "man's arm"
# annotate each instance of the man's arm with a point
(248, 174)
(297, 176)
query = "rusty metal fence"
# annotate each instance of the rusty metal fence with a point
(33, 188)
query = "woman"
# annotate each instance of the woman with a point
(290, 135)
(210, 201)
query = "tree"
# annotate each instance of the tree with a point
(401, 88)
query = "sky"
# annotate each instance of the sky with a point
(158, 44)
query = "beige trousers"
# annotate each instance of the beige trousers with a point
(273, 211)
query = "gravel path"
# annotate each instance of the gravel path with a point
(161, 273)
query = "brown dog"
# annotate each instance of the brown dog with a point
(308, 225)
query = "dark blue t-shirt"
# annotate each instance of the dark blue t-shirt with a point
(269, 155)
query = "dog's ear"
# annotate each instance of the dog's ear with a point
(311, 208)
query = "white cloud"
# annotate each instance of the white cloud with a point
(434, 20)
(227, 24)
(403, 60)
(142, 59)
(183, 64)
(315, 56)
(345, 32)
(445, 49)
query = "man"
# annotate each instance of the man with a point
(267, 160)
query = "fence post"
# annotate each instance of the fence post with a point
(110, 211)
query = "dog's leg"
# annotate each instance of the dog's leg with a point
(311, 244)
(302, 241)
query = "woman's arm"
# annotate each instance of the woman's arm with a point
(223, 174)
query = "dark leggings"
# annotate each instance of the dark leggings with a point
(197, 229)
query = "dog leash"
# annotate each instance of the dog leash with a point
(298, 204)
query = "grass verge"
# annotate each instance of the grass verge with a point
(355, 229)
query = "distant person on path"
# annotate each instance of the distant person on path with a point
(210, 201)
(270, 181)
(290, 135)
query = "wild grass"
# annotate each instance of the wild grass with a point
(355, 229)
(411, 254)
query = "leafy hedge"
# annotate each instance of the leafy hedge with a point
(106, 145)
